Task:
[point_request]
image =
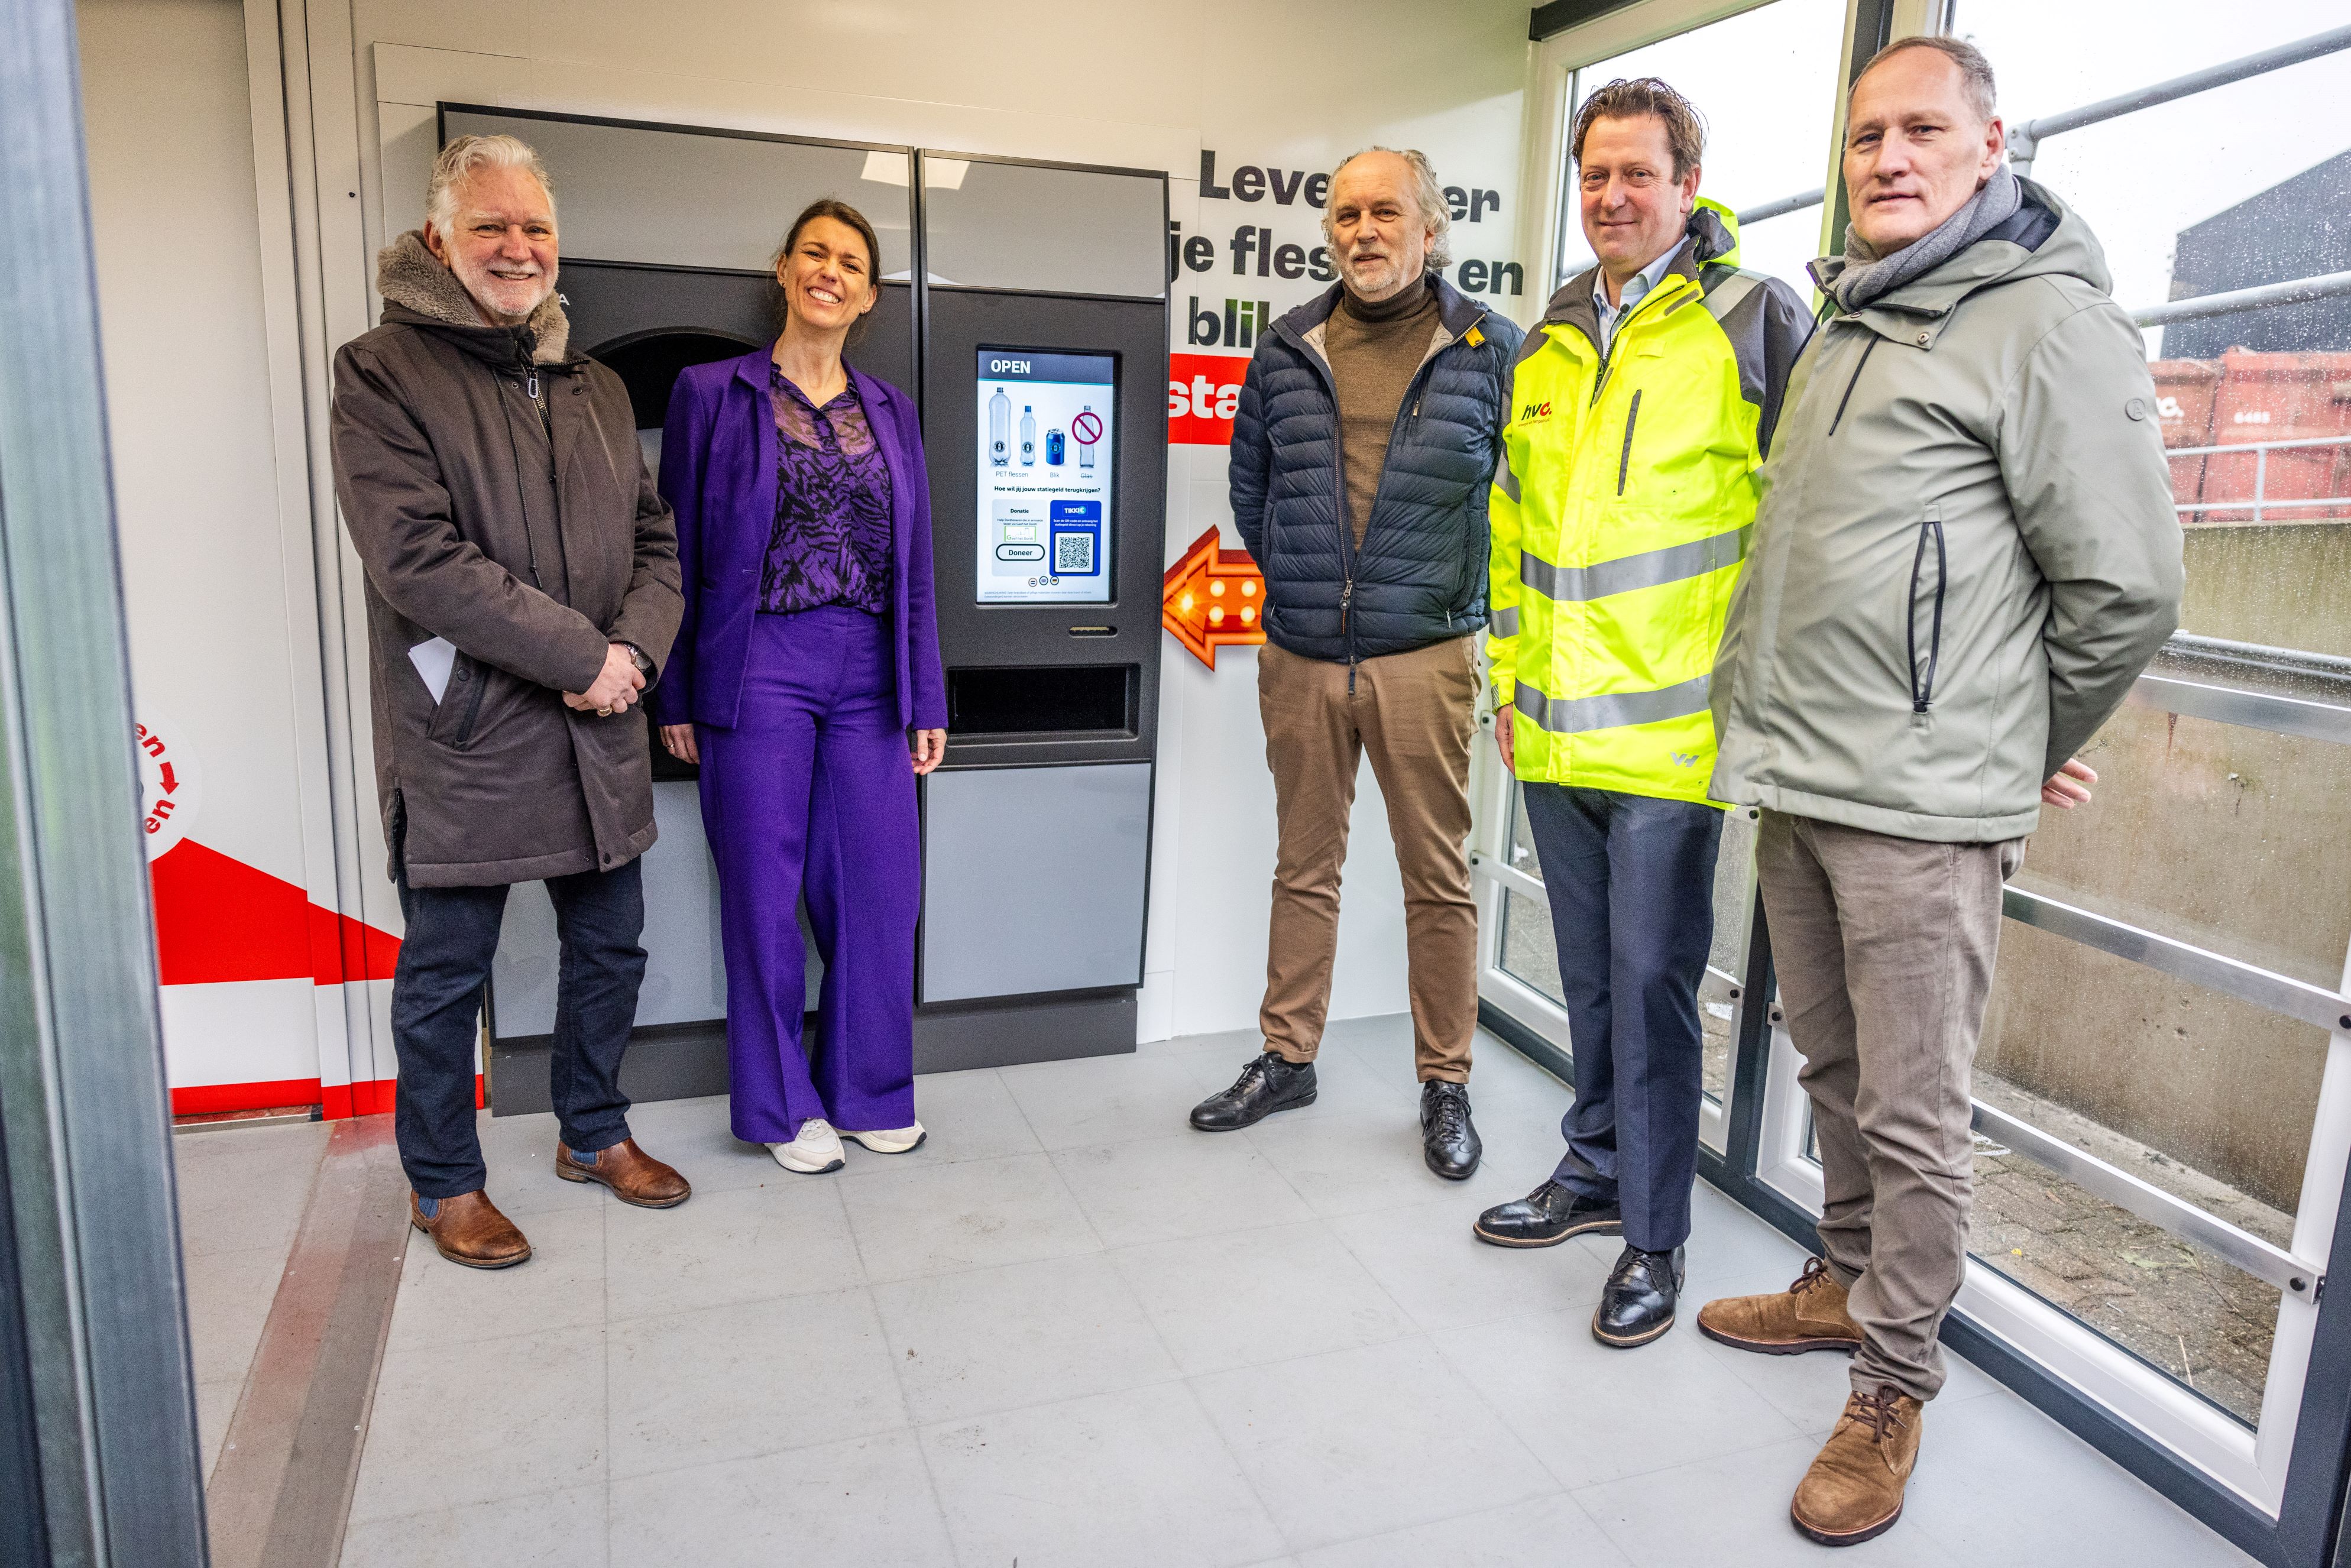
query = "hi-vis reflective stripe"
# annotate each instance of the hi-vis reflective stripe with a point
(1506, 621)
(1650, 568)
(1612, 710)
(1724, 297)
(1504, 480)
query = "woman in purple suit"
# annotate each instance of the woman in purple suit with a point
(806, 685)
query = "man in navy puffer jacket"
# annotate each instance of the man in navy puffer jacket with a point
(1362, 449)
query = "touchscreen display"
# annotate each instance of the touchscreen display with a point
(1045, 458)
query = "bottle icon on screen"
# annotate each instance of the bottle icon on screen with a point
(1087, 428)
(999, 429)
(1056, 448)
(1028, 437)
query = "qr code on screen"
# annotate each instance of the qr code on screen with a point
(1074, 553)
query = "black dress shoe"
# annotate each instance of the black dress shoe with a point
(1637, 1305)
(1547, 1216)
(1448, 1140)
(1266, 1085)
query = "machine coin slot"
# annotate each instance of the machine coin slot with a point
(1042, 699)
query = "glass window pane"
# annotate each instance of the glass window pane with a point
(1734, 896)
(2204, 1322)
(2207, 1097)
(1528, 953)
(1522, 838)
(2200, 196)
(2233, 839)
(1766, 82)
(2213, 1097)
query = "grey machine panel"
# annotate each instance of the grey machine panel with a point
(1080, 231)
(1034, 880)
(679, 196)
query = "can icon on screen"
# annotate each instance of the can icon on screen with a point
(1056, 448)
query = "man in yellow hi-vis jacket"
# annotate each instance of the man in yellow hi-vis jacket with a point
(1640, 409)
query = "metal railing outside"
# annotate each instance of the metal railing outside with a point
(2258, 502)
(2025, 145)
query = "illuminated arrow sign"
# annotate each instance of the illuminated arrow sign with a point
(1213, 598)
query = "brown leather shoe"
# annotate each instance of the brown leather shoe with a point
(1808, 1315)
(469, 1229)
(634, 1176)
(1853, 1490)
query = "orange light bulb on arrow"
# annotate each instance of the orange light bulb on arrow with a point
(1207, 571)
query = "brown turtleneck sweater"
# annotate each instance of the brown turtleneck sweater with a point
(1374, 351)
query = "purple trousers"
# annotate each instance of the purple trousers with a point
(811, 793)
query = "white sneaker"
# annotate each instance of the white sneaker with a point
(816, 1151)
(890, 1140)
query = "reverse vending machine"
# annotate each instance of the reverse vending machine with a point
(668, 232)
(1045, 418)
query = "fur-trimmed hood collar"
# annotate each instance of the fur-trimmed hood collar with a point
(418, 290)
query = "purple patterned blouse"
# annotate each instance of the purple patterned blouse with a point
(831, 543)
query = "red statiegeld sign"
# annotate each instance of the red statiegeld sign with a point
(1204, 391)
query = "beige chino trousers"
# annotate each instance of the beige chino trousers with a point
(1884, 948)
(1414, 714)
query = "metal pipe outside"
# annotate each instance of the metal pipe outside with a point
(2257, 504)
(2282, 994)
(1783, 207)
(2282, 660)
(2249, 445)
(2024, 141)
(2246, 709)
(2264, 1260)
(2326, 285)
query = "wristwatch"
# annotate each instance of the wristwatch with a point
(644, 665)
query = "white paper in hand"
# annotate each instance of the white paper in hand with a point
(434, 660)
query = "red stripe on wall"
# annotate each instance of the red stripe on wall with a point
(218, 919)
(369, 1097)
(211, 1099)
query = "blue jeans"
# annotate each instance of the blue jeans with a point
(1631, 883)
(436, 1009)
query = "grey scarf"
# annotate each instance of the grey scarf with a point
(1865, 276)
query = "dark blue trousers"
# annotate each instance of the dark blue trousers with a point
(436, 1011)
(1631, 883)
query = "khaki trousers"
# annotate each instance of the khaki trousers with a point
(1884, 948)
(1415, 714)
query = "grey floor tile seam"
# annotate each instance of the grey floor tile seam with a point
(897, 1379)
(612, 1482)
(1240, 1468)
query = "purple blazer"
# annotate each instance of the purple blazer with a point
(718, 473)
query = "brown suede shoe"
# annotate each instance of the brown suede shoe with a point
(469, 1229)
(1853, 1490)
(1808, 1315)
(634, 1176)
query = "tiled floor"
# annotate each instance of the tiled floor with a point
(242, 1194)
(1068, 1329)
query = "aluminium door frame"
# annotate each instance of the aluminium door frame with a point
(85, 1124)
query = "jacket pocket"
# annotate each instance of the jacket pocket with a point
(1625, 462)
(460, 708)
(1930, 538)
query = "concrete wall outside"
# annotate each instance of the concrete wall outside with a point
(2236, 839)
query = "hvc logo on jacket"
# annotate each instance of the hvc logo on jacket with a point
(1534, 411)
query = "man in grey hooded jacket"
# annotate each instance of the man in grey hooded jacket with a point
(1965, 552)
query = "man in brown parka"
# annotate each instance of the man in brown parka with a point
(522, 590)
